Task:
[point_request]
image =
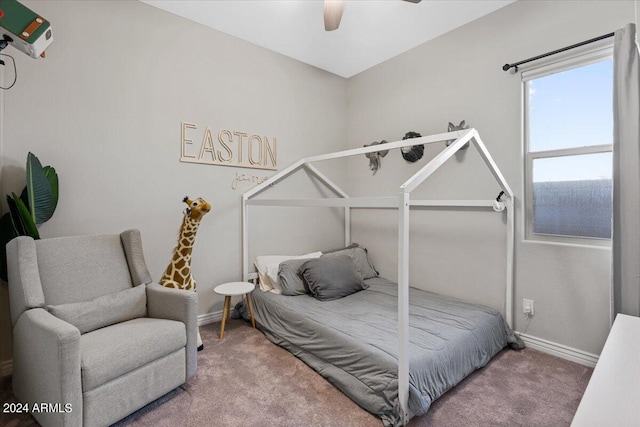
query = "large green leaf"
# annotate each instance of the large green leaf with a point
(25, 197)
(7, 232)
(52, 176)
(27, 221)
(41, 200)
(16, 219)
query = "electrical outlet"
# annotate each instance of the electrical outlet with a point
(528, 307)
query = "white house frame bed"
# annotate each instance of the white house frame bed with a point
(403, 203)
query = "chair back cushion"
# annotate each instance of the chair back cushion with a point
(105, 310)
(132, 242)
(81, 268)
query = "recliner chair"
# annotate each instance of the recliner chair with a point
(91, 334)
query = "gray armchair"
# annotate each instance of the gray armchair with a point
(91, 332)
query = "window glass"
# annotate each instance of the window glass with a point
(572, 108)
(572, 195)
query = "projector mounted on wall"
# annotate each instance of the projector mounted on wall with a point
(23, 29)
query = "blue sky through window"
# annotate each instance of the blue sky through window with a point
(569, 109)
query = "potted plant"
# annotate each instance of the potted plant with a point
(35, 205)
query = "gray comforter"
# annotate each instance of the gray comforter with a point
(353, 342)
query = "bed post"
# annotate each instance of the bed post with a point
(510, 205)
(245, 239)
(403, 304)
(347, 226)
(510, 248)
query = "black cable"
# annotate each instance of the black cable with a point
(15, 72)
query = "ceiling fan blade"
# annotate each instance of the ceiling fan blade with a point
(413, 1)
(332, 14)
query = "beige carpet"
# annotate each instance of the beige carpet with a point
(245, 380)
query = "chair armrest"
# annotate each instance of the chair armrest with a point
(46, 366)
(25, 289)
(180, 305)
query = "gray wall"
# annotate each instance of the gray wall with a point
(105, 107)
(458, 76)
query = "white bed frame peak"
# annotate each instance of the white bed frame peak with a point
(403, 203)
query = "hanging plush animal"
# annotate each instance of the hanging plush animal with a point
(374, 158)
(178, 273)
(414, 153)
(453, 127)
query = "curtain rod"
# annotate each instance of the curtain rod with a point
(506, 67)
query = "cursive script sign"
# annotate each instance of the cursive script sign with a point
(250, 178)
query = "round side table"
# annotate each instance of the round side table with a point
(233, 289)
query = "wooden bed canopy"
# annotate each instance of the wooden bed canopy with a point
(403, 203)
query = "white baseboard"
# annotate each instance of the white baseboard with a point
(559, 350)
(205, 319)
(6, 368)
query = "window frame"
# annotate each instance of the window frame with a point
(598, 53)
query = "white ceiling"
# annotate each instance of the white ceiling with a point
(370, 32)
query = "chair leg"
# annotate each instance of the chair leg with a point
(253, 320)
(225, 312)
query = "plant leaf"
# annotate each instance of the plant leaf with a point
(16, 219)
(52, 176)
(7, 232)
(27, 220)
(40, 195)
(25, 197)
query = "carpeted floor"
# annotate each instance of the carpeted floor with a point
(245, 380)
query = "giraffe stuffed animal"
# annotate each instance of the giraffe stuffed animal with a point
(178, 272)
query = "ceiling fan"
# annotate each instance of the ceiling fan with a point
(333, 13)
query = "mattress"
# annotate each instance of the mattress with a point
(352, 341)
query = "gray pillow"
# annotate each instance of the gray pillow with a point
(360, 259)
(290, 280)
(330, 278)
(103, 311)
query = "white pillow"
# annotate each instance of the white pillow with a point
(268, 266)
(262, 263)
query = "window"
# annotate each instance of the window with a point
(568, 149)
